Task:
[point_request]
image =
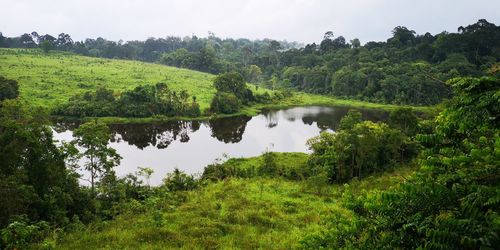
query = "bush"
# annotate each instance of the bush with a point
(359, 149)
(226, 103)
(19, 234)
(9, 89)
(179, 181)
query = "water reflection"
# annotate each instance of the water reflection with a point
(229, 130)
(156, 135)
(191, 145)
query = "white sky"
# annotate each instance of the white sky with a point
(292, 20)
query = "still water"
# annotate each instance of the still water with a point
(191, 145)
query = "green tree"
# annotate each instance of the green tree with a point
(231, 82)
(146, 173)
(34, 180)
(93, 138)
(452, 201)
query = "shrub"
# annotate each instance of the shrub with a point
(179, 181)
(226, 103)
(9, 89)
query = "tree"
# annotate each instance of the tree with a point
(34, 180)
(46, 46)
(9, 89)
(231, 82)
(93, 138)
(402, 35)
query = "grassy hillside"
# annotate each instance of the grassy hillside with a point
(50, 79)
(235, 213)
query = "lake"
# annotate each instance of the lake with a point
(191, 145)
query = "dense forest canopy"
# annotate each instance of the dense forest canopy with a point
(408, 68)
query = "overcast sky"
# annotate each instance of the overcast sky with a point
(292, 20)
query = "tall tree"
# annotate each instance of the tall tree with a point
(100, 159)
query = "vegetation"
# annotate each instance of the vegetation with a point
(9, 89)
(50, 80)
(405, 184)
(358, 149)
(142, 101)
(408, 68)
(255, 212)
(452, 200)
(92, 137)
(61, 82)
(348, 193)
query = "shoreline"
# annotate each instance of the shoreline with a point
(292, 102)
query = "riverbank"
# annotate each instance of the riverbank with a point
(298, 99)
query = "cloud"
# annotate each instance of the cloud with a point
(292, 20)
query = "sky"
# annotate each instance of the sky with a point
(304, 21)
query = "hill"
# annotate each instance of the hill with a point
(50, 79)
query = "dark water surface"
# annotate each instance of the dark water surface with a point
(191, 145)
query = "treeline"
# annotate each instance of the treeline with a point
(142, 101)
(408, 68)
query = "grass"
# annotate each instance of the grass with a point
(49, 80)
(265, 213)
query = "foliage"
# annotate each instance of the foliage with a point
(9, 89)
(46, 46)
(270, 164)
(142, 101)
(452, 200)
(358, 149)
(405, 120)
(100, 159)
(179, 181)
(226, 103)
(231, 82)
(234, 213)
(408, 68)
(19, 234)
(34, 181)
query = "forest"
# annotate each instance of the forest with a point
(417, 180)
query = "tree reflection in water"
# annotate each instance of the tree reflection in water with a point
(226, 130)
(229, 130)
(159, 135)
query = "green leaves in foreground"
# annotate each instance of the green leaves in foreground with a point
(452, 202)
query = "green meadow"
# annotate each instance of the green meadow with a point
(51, 79)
